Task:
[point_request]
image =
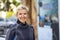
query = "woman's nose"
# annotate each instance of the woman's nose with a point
(22, 15)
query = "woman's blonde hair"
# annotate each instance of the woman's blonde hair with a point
(22, 7)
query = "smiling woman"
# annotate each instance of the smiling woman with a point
(21, 30)
(22, 12)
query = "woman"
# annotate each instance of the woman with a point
(21, 30)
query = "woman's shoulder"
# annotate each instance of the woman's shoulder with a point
(31, 27)
(12, 26)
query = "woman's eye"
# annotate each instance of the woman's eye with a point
(20, 13)
(24, 13)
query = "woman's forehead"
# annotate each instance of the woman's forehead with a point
(23, 11)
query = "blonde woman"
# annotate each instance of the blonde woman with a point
(21, 30)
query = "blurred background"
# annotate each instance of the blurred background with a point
(44, 10)
(48, 13)
(7, 15)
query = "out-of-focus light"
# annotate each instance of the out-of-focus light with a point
(3, 13)
(12, 6)
(14, 10)
(11, 1)
(18, 0)
(2, 5)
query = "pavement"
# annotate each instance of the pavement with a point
(2, 37)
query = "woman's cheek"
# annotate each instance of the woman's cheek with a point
(19, 17)
(25, 16)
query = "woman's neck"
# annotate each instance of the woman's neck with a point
(18, 21)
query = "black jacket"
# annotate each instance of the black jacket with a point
(21, 32)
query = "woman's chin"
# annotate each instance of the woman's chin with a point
(23, 21)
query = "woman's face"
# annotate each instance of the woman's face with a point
(22, 15)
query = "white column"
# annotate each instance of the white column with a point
(59, 16)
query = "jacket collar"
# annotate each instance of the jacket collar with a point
(22, 25)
